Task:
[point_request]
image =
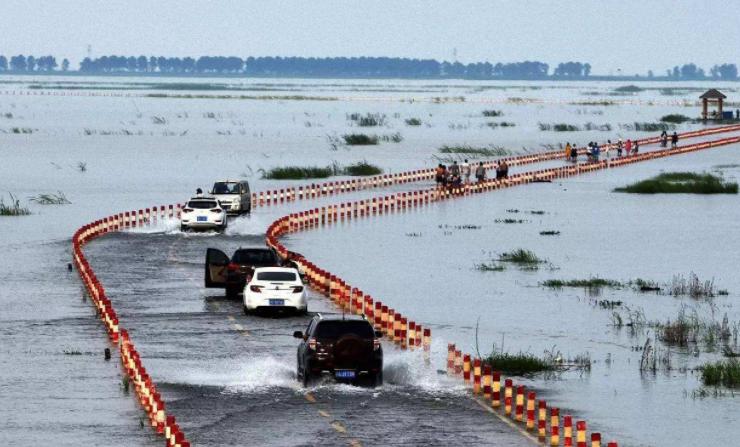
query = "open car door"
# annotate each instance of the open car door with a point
(216, 263)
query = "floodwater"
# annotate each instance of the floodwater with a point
(229, 378)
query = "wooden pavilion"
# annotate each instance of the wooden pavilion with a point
(715, 96)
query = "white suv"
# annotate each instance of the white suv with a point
(203, 213)
(233, 195)
(275, 288)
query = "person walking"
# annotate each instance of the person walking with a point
(466, 171)
(574, 153)
(664, 138)
(636, 147)
(628, 146)
(674, 140)
(620, 147)
(480, 172)
(455, 169)
(439, 174)
(567, 150)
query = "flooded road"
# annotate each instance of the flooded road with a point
(230, 378)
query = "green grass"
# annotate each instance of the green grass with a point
(681, 183)
(297, 173)
(724, 372)
(628, 89)
(362, 168)
(491, 151)
(413, 122)
(520, 256)
(549, 233)
(591, 283)
(51, 199)
(649, 127)
(491, 266)
(492, 113)
(675, 118)
(360, 139)
(14, 208)
(517, 364)
(368, 120)
(559, 127)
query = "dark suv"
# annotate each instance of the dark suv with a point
(233, 273)
(346, 347)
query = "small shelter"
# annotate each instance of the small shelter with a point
(712, 95)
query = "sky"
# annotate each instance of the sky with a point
(615, 36)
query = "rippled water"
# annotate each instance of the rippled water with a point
(215, 377)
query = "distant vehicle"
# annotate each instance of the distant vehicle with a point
(277, 289)
(203, 213)
(233, 195)
(233, 273)
(347, 348)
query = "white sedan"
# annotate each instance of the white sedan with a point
(203, 213)
(275, 288)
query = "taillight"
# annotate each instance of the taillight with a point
(232, 267)
(312, 344)
(376, 344)
(216, 210)
(187, 210)
(297, 289)
(256, 289)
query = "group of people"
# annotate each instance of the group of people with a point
(593, 149)
(664, 139)
(459, 174)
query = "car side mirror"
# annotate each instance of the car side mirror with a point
(378, 334)
(298, 334)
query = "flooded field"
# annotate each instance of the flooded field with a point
(230, 378)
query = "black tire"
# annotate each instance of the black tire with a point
(183, 228)
(246, 311)
(232, 292)
(378, 380)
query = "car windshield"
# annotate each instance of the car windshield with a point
(226, 188)
(335, 329)
(276, 276)
(260, 257)
(202, 204)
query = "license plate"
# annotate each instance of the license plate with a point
(277, 302)
(344, 374)
(202, 219)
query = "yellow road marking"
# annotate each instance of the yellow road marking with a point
(309, 397)
(507, 421)
(324, 413)
(338, 427)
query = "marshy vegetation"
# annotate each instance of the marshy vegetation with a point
(565, 127)
(490, 266)
(51, 199)
(590, 283)
(492, 113)
(549, 233)
(521, 257)
(489, 151)
(360, 139)
(675, 118)
(647, 127)
(518, 364)
(14, 208)
(362, 168)
(368, 119)
(412, 121)
(681, 183)
(693, 287)
(628, 89)
(724, 372)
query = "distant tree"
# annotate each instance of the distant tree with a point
(650, 73)
(676, 73)
(65, 64)
(724, 72)
(3, 63)
(18, 63)
(691, 71)
(586, 70)
(30, 63)
(142, 64)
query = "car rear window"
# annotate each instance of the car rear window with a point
(225, 188)
(276, 276)
(336, 329)
(202, 204)
(259, 257)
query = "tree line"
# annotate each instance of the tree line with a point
(358, 67)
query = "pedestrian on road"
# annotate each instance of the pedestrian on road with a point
(635, 148)
(574, 153)
(567, 150)
(480, 172)
(674, 140)
(455, 169)
(439, 174)
(628, 146)
(466, 171)
(620, 147)
(664, 139)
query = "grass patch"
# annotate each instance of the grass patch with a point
(628, 89)
(692, 287)
(521, 256)
(297, 173)
(360, 139)
(491, 266)
(681, 183)
(362, 168)
(517, 364)
(14, 208)
(392, 138)
(591, 283)
(725, 373)
(368, 120)
(558, 127)
(51, 199)
(413, 122)
(648, 127)
(492, 113)
(675, 118)
(490, 151)
(549, 233)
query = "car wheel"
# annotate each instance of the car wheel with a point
(246, 310)
(378, 379)
(183, 228)
(232, 292)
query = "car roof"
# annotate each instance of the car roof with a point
(345, 317)
(253, 249)
(275, 269)
(230, 181)
(202, 198)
